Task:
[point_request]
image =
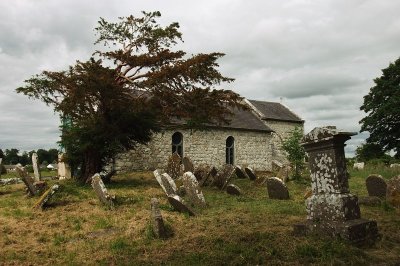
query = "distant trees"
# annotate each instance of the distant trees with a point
(13, 156)
(383, 113)
(143, 83)
(295, 152)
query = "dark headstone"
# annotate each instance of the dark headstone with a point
(157, 220)
(250, 173)
(332, 210)
(393, 191)
(239, 172)
(101, 192)
(46, 197)
(179, 205)
(174, 165)
(233, 190)
(376, 186)
(223, 177)
(277, 189)
(187, 165)
(193, 190)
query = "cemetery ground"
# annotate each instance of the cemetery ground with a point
(246, 229)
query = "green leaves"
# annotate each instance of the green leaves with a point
(295, 152)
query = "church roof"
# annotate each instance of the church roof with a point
(275, 111)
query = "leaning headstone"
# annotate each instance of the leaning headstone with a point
(208, 173)
(187, 164)
(157, 220)
(332, 210)
(223, 177)
(169, 184)
(157, 174)
(250, 173)
(174, 165)
(233, 190)
(45, 198)
(376, 186)
(239, 172)
(101, 192)
(28, 181)
(193, 190)
(277, 189)
(393, 191)
(63, 169)
(201, 172)
(35, 165)
(179, 205)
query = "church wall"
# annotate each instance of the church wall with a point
(202, 146)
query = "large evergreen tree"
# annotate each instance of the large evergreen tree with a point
(383, 112)
(118, 100)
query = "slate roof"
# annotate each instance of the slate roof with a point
(275, 111)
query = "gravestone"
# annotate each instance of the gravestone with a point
(35, 165)
(157, 175)
(179, 205)
(208, 174)
(101, 192)
(239, 172)
(283, 173)
(376, 186)
(174, 165)
(187, 165)
(359, 166)
(45, 198)
(193, 190)
(169, 184)
(28, 181)
(201, 172)
(393, 191)
(157, 220)
(223, 177)
(233, 190)
(250, 173)
(277, 189)
(332, 210)
(63, 169)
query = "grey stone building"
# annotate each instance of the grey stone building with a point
(253, 138)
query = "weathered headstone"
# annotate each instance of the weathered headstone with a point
(35, 165)
(239, 172)
(187, 164)
(283, 173)
(45, 198)
(207, 173)
(250, 173)
(201, 172)
(179, 205)
(169, 184)
(157, 220)
(157, 174)
(63, 169)
(376, 186)
(393, 191)
(28, 181)
(193, 190)
(332, 210)
(277, 189)
(174, 165)
(233, 190)
(395, 165)
(222, 178)
(101, 192)
(359, 166)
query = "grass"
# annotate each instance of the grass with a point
(246, 230)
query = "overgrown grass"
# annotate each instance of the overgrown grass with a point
(246, 230)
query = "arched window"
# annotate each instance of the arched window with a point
(230, 150)
(177, 143)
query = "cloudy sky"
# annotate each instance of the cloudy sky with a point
(318, 57)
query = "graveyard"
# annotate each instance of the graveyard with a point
(250, 228)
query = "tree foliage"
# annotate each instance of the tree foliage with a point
(295, 152)
(136, 84)
(382, 107)
(369, 151)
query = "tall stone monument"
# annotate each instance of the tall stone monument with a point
(332, 210)
(36, 167)
(64, 170)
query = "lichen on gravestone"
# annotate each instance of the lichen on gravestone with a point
(101, 192)
(174, 165)
(157, 221)
(36, 168)
(193, 190)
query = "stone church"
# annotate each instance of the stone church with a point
(253, 138)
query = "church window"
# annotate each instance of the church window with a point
(230, 150)
(177, 143)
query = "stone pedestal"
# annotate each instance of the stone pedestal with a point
(332, 210)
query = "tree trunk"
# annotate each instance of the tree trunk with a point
(91, 165)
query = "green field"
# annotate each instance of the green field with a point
(250, 229)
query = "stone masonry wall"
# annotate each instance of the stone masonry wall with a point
(283, 130)
(202, 146)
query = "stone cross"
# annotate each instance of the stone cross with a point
(101, 192)
(332, 210)
(157, 220)
(35, 165)
(193, 190)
